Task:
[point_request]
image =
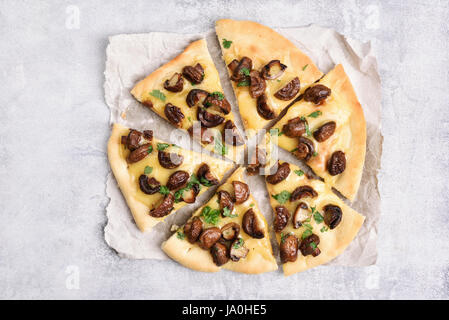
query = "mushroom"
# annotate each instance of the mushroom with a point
(309, 245)
(231, 134)
(164, 207)
(301, 214)
(169, 160)
(218, 101)
(148, 135)
(281, 174)
(209, 237)
(148, 185)
(295, 127)
(207, 136)
(241, 191)
(139, 153)
(230, 231)
(132, 141)
(273, 70)
(192, 229)
(232, 65)
(257, 84)
(194, 74)
(303, 192)
(332, 215)
(305, 149)
(238, 250)
(196, 97)
(189, 196)
(263, 109)
(225, 200)
(289, 91)
(317, 93)
(289, 248)
(237, 73)
(177, 180)
(336, 163)
(207, 119)
(251, 225)
(175, 83)
(173, 114)
(219, 254)
(325, 131)
(258, 159)
(205, 175)
(281, 217)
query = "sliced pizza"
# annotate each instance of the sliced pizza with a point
(327, 130)
(267, 71)
(187, 91)
(312, 225)
(228, 232)
(158, 178)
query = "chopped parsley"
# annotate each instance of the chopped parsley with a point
(315, 114)
(180, 235)
(307, 126)
(276, 131)
(315, 154)
(205, 182)
(282, 197)
(162, 146)
(211, 216)
(251, 205)
(306, 233)
(305, 67)
(150, 149)
(284, 236)
(324, 229)
(313, 245)
(148, 170)
(193, 180)
(299, 172)
(219, 95)
(243, 83)
(316, 215)
(227, 213)
(244, 71)
(238, 244)
(164, 190)
(227, 43)
(158, 94)
(220, 148)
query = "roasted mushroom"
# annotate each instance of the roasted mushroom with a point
(289, 248)
(194, 74)
(209, 237)
(309, 245)
(189, 196)
(258, 159)
(301, 214)
(178, 180)
(273, 70)
(193, 228)
(164, 207)
(175, 83)
(219, 254)
(232, 65)
(148, 185)
(207, 119)
(173, 114)
(325, 131)
(281, 217)
(238, 73)
(218, 101)
(295, 127)
(332, 215)
(196, 97)
(225, 200)
(140, 153)
(251, 225)
(238, 250)
(169, 160)
(303, 192)
(230, 231)
(316, 94)
(305, 149)
(241, 191)
(205, 175)
(133, 139)
(263, 109)
(257, 84)
(207, 135)
(336, 163)
(289, 91)
(281, 174)
(231, 134)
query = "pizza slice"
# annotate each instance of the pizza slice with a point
(312, 225)
(228, 232)
(187, 92)
(267, 71)
(158, 178)
(327, 130)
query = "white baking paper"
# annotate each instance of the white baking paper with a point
(132, 57)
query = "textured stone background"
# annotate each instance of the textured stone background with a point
(54, 128)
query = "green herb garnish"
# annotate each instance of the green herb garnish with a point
(148, 170)
(218, 94)
(164, 190)
(315, 154)
(307, 126)
(243, 83)
(227, 213)
(304, 68)
(315, 114)
(220, 148)
(324, 229)
(227, 43)
(158, 94)
(211, 216)
(299, 172)
(276, 131)
(150, 149)
(180, 235)
(282, 197)
(244, 71)
(238, 244)
(313, 245)
(162, 146)
(316, 215)
(306, 233)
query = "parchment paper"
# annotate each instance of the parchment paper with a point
(132, 57)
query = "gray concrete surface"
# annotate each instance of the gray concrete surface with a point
(53, 165)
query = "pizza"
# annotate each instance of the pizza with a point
(267, 71)
(187, 92)
(312, 224)
(326, 128)
(227, 232)
(157, 178)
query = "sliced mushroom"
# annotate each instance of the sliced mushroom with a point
(289, 248)
(251, 225)
(295, 127)
(149, 185)
(225, 200)
(219, 254)
(301, 214)
(209, 237)
(196, 97)
(194, 74)
(263, 109)
(258, 159)
(173, 114)
(175, 83)
(305, 149)
(281, 217)
(178, 180)
(303, 192)
(281, 174)
(133, 139)
(205, 173)
(237, 73)
(332, 215)
(273, 70)
(218, 101)
(231, 134)
(325, 131)
(230, 231)
(193, 229)
(336, 163)
(289, 91)
(207, 119)
(189, 196)
(238, 250)
(257, 84)
(309, 245)
(233, 64)
(169, 160)
(317, 93)
(139, 153)
(164, 207)
(241, 191)
(148, 135)
(207, 135)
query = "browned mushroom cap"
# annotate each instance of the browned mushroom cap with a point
(325, 131)
(207, 135)
(237, 72)
(173, 114)
(317, 93)
(219, 254)
(196, 97)
(233, 64)
(194, 74)
(193, 229)
(149, 185)
(257, 84)
(303, 192)
(251, 225)
(336, 163)
(258, 159)
(148, 135)
(225, 200)
(133, 139)
(241, 191)
(309, 245)
(238, 250)
(209, 237)
(263, 109)
(139, 153)
(289, 248)
(295, 127)
(205, 175)
(164, 207)
(218, 101)
(273, 70)
(289, 91)
(230, 231)
(281, 217)
(301, 214)
(175, 83)
(178, 180)
(281, 174)
(332, 215)
(169, 160)
(189, 196)
(207, 119)
(305, 149)
(231, 134)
